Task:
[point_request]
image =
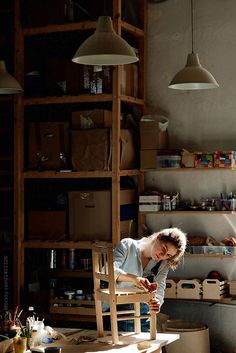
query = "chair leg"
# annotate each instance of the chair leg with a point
(99, 319)
(137, 321)
(114, 324)
(153, 326)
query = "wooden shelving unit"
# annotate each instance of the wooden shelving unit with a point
(23, 176)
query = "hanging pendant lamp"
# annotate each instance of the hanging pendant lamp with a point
(193, 76)
(105, 47)
(8, 84)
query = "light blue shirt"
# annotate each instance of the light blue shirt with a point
(127, 259)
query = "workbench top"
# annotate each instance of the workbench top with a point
(86, 341)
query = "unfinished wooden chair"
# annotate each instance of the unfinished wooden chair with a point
(103, 271)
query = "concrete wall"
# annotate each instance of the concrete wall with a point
(197, 120)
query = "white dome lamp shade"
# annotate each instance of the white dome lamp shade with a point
(193, 76)
(105, 47)
(8, 84)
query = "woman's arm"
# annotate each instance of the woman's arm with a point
(160, 279)
(139, 282)
(126, 265)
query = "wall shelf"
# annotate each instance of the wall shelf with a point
(47, 244)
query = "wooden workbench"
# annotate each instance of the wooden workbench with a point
(129, 340)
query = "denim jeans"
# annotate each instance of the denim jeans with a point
(128, 325)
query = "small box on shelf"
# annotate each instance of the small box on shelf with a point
(232, 287)
(214, 289)
(189, 289)
(204, 160)
(149, 203)
(225, 159)
(171, 289)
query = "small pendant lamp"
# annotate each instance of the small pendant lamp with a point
(105, 47)
(8, 84)
(193, 75)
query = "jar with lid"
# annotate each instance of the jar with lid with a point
(79, 295)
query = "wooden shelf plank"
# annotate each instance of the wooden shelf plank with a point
(83, 98)
(67, 273)
(78, 26)
(57, 28)
(6, 188)
(189, 170)
(51, 174)
(209, 255)
(135, 31)
(132, 100)
(6, 158)
(68, 317)
(191, 212)
(50, 244)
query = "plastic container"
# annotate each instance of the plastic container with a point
(168, 161)
(194, 337)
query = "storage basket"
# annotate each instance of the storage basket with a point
(189, 289)
(171, 289)
(214, 289)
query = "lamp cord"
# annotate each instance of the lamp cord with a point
(192, 22)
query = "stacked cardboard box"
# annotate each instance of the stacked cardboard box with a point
(151, 140)
(90, 214)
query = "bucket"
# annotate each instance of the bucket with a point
(194, 337)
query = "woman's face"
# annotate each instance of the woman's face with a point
(162, 250)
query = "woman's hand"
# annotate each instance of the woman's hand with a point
(142, 283)
(154, 305)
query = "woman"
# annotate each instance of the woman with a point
(140, 262)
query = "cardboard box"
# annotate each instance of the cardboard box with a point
(151, 137)
(128, 152)
(204, 160)
(48, 145)
(225, 159)
(90, 149)
(148, 159)
(94, 118)
(47, 225)
(90, 214)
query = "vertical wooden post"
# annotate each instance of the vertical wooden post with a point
(18, 276)
(116, 111)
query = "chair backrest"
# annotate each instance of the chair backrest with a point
(103, 271)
